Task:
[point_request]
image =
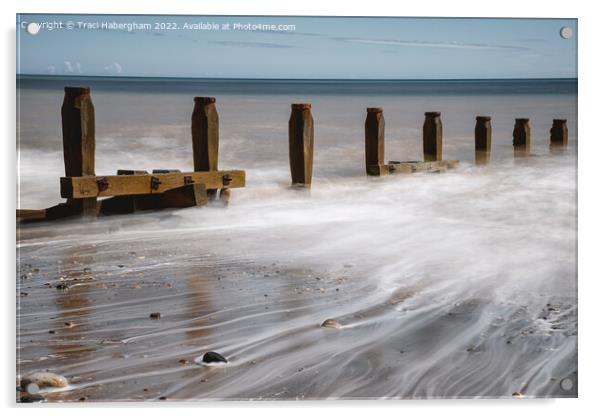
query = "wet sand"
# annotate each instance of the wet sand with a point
(454, 285)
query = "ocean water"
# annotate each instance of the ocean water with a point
(460, 284)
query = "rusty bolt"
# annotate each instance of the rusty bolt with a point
(226, 179)
(103, 184)
(188, 180)
(155, 182)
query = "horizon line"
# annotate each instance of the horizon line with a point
(289, 79)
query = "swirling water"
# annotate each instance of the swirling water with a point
(460, 284)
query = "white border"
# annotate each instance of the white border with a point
(590, 138)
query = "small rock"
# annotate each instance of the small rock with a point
(214, 357)
(31, 398)
(62, 286)
(43, 379)
(517, 394)
(183, 361)
(155, 315)
(70, 324)
(162, 398)
(331, 323)
(32, 388)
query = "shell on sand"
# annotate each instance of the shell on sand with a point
(44, 379)
(331, 323)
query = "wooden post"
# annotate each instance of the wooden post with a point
(79, 145)
(205, 137)
(559, 134)
(521, 137)
(432, 135)
(482, 140)
(301, 144)
(375, 138)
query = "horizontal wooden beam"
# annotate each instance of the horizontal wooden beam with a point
(94, 186)
(411, 167)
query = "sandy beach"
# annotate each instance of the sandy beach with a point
(460, 284)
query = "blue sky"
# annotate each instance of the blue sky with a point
(327, 47)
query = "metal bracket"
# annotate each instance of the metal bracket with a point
(188, 180)
(226, 179)
(155, 182)
(103, 184)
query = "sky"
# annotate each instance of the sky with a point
(295, 47)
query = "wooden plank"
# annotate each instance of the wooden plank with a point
(118, 205)
(131, 172)
(412, 167)
(190, 195)
(94, 186)
(185, 196)
(31, 214)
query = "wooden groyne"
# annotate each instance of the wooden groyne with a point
(132, 190)
(432, 144)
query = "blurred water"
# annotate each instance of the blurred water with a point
(454, 285)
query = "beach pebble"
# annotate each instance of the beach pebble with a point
(155, 315)
(214, 357)
(31, 398)
(43, 379)
(517, 394)
(331, 323)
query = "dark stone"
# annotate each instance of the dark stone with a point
(155, 315)
(214, 357)
(31, 398)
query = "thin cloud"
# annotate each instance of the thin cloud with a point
(72, 67)
(250, 44)
(428, 44)
(114, 68)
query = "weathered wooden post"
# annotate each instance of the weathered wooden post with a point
(521, 137)
(79, 144)
(301, 144)
(375, 138)
(205, 137)
(432, 136)
(559, 134)
(482, 140)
